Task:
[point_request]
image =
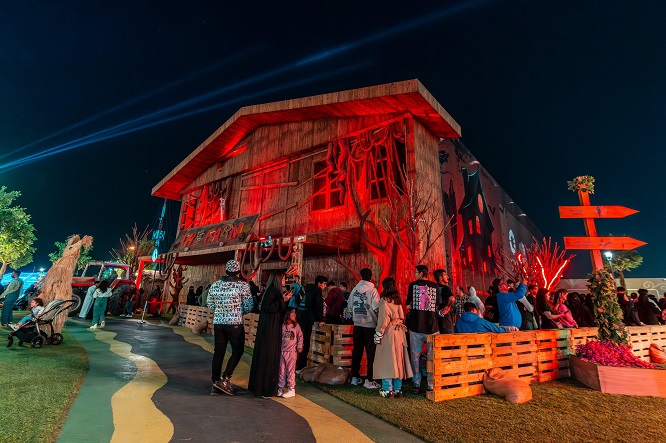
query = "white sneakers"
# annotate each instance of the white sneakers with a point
(356, 381)
(369, 384)
(13, 326)
(93, 327)
(289, 393)
(101, 325)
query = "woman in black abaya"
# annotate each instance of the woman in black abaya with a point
(268, 343)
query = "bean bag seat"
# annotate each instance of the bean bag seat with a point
(200, 327)
(657, 354)
(174, 319)
(514, 390)
(325, 373)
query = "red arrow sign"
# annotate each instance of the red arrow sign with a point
(595, 211)
(596, 243)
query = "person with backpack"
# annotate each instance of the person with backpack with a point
(364, 301)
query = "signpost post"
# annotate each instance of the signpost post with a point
(592, 242)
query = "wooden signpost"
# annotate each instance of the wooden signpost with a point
(591, 242)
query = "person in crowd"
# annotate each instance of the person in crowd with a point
(297, 292)
(10, 295)
(582, 315)
(129, 304)
(292, 344)
(333, 302)
(510, 285)
(589, 303)
(256, 296)
(191, 297)
(265, 368)
(559, 300)
(550, 318)
(492, 309)
(229, 298)
(198, 293)
(424, 303)
(36, 308)
(530, 319)
(203, 298)
(471, 321)
(310, 311)
(506, 302)
(101, 297)
(630, 318)
(154, 301)
(459, 304)
(88, 300)
(391, 363)
(346, 309)
(445, 314)
(648, 313)
(473, 298)
(364, 300)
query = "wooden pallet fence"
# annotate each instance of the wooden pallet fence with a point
(516, 353)
(250, 323)
(182, 314)
(196, 314)
(457, 364)
(580, 336)
(553, 354)
(333, 344)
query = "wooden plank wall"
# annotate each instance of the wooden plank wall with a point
(458, 361)
(333, 344)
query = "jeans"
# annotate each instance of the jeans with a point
(363, 339)
(99, 309)
(7, 309)
(391, 384)
(235, 335)
(416, 341)
(129, 307)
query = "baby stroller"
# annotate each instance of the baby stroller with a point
(40, 331)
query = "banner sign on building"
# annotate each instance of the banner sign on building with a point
(227, 233)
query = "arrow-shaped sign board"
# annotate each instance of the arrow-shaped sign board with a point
(598, 243)
(595, 211)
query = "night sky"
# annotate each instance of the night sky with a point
(544, 91)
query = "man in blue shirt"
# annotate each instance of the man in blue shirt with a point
(506, 303)
(471, 322)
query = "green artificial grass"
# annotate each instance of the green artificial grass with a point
(560, 411)
(38, 387)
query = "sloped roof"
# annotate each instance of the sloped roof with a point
(391, 98)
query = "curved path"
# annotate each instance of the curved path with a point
(150, 382)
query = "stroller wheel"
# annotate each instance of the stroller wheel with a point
(10, 341)
(56, 338)
(37, 342)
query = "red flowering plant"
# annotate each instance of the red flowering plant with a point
(607, 353)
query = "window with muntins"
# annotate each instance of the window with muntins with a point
(326, 192)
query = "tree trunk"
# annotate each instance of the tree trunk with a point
(3, 269)
(621, 274)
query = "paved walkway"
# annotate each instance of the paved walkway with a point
(150, 382)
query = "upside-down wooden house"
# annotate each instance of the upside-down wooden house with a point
(326, 185)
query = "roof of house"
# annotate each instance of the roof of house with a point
(408, 96)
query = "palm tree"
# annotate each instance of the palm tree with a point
(624, 261)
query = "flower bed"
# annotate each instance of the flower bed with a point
(608, 353)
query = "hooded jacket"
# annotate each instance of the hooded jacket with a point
(471, 322)
(312, 303)
(364, 301)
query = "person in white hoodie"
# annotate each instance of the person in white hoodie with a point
(364, 303)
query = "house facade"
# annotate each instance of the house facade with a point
(327, 185)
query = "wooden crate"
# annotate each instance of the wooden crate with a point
(182, 313)
(658, 335)
(641, 337)
(457, 364)
(553, 354)
(250, 323)
(516, 353)
(333, 344)
(197, 314)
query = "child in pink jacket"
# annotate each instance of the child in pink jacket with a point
(292, 344)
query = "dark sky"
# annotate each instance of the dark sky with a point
(544, 91)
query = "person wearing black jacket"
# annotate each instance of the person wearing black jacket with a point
(630, 317)
(647, 312)
(310, 310)
(580, 312)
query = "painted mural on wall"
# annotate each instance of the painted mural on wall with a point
(485, 219)
(205, 205)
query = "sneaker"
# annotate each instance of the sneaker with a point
(280, 392)
(214, 391)
(224, 385)
(289, 393)
(101, 325)
(416, 391)
(13, 326)
(397, 394)
(356, 381)
(386, 394)
(369, 384)
(298, 371)
(93, 327)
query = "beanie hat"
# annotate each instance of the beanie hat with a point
(233, 267)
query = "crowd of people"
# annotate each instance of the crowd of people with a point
(391, 330)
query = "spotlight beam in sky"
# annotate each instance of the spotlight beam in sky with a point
(95, 138)
(180, 110)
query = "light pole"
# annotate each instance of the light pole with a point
(609, 256)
